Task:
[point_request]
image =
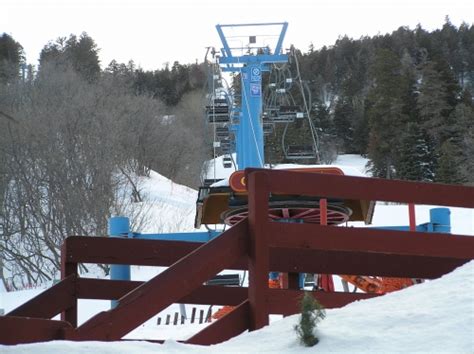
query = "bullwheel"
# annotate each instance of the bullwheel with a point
(302, 212)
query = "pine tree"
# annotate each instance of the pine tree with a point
(433, 102)
(460, 129)
(416, 158)
(448, 169)
(343, 114)
(11, 57)
(311, 314)
(81, 54)
(385, 110)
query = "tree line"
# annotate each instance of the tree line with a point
(403, 99)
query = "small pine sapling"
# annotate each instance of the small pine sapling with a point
(312, 313)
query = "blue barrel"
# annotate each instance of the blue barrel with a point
(119, 226)
(440, 218)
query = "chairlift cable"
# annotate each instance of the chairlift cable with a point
(313, 131)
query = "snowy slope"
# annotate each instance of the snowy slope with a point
(172, 205)
(433, 317)
(436, 316)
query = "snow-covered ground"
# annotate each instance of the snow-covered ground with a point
(433, 317)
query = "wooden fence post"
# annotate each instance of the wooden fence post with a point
(259, 251)
(68, 268)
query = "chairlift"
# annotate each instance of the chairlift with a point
(268, 128)
(220, 101)
(222, 133)
(225, 146)
(227, 162)
(218, 109)
(286, 114)
(218, 114)
(300, 152)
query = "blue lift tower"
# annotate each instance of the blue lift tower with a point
(256, 59)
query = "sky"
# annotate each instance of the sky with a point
(155, 32)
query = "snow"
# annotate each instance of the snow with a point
(350, 165)
(172, 205)
(433, 317)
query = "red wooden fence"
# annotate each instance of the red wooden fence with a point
(256, 244)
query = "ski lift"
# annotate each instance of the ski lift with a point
(227, 162)
(218, 113)
(225, 146)
(222, 133)
(286, 114)
(268, 128)
(305, 149)
(218, 109)
(300, 152)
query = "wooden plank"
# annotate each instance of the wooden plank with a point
(19, 330)
(360, 263)
(86, 249)
(258, 250)
(103, 289)
(317, 237)
(287, 302)
(82, 249)
(231, 325)
(69, 268)
(167, 287)
(363, 188)
(50, 302)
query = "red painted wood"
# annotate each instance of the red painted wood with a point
(231, 325)
(50, 302)
(258, 250)
(311, 236)
(293, 281)
(287, 302)
(326, 279)
(361, 263)
(110, 250)
(69, 269)
(102, 289)
(168, 287)
(323, 205)
(19, 330)
(350, 187)
(412, 216)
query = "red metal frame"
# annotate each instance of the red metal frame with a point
(256, 244)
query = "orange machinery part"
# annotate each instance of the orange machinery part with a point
(378, 285)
